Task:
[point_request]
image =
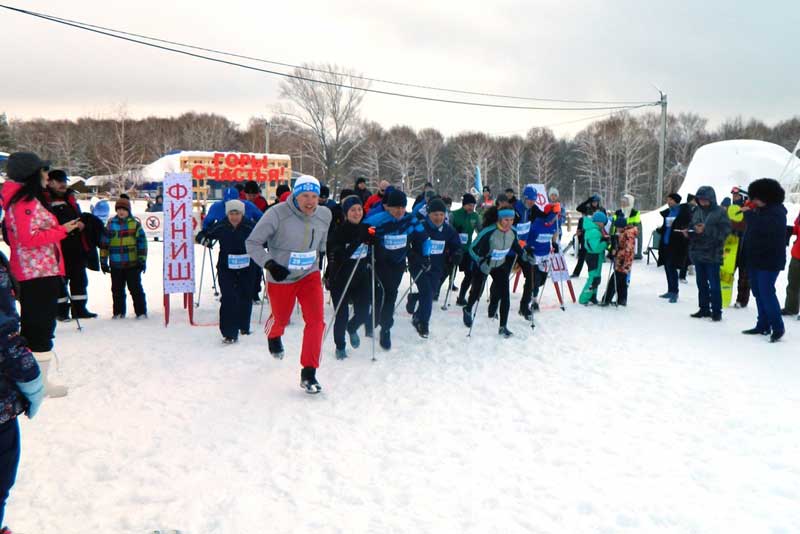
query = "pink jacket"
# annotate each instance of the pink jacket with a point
(34, 237)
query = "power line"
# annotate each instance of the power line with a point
(121, 36)
(591, 117)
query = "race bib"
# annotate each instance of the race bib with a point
(302, 261)
(238, 261)
(395, 242)
(464, 238)
(437, 247)
(360, 252)
(499, 255)
(523, 228)
(669, 221)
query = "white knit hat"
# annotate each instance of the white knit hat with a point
(234, 205)
(306, 184)
(553, 191)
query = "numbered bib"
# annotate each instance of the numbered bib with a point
(499, 255)
(437, 247)
(523, 228)
(669, 221)
(302, 261)
(464, 238)
(238, 261)
(395, 242)
(360, 252)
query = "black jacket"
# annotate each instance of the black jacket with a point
(677, 250)
(764, 243)
(343, 243)
(231, 240)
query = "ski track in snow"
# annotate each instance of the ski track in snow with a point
(602, 421)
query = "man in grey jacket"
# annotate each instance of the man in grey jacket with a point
(295, 233)
(707, 232)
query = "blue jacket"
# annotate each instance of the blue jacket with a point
(231, 241)
(216, 212)
(540, 237)
(396, 239)
(526, 217)
(445, 247)
(18, 369)
(764, 241)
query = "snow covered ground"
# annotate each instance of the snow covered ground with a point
(603, 420)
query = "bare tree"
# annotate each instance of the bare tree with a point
(513, 152)
(543, 148)
(431, 144)
(633, 141)
(117, 154)
(472, 149)
(403, 155)
(371, 154)
(329, 110)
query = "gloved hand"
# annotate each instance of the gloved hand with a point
(457, 257)
(34, 392)
(484, 267)
(278, 272)
(142, 266)
(200, 238)
(104, 267)
(527, 258)
(367, 234)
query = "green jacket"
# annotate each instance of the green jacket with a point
(465, 223)
(593, 238)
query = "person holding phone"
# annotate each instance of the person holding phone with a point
(34, 236)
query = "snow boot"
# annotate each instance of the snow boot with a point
(666, 295)
(716, 317)
(245, 332)
(755, 331)
(308, 380)
(460, 301)
(673, 298)
(141, 316)
(385, 339)
(467, 316)
(776, 336)
(341, 354)
(526, 314)
(701, 314)
(411, 303)
(84, 314)
(51, 390)
(355, 341)
(505, 332)
(228, 341)
(118, 316)
(275, 347)
(422, 329)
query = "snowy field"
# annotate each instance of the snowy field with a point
(604, 420)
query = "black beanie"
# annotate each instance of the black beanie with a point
(324, 191)
(676, 197)
(396, 199)
(468, 198)
(437, 204)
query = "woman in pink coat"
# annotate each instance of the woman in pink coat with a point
(34, 236)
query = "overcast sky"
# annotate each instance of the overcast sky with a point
(717, 58)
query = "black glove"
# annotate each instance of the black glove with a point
(457, 257)
(365, 235)
(142, 267)
(104, 267)
(278, 272)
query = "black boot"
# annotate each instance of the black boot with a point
(275, 347)
(411, 303)
(308, 380)
(385, 340)
(755, 331)
(505, 332)
(776, 336)
(467, 316)
(422, 329)
(701, 314)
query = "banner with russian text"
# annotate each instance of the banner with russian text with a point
(178, 234)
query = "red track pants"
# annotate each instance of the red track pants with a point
(308, 292)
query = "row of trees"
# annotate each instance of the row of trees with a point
(320, 127)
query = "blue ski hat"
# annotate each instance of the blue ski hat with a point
(600, 217)
(530, 193)
(306, 184)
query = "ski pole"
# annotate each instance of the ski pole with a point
(202, 272)
(413, 281)
(449, 286)
(474, 311)
(372, 253)
(533, 308)
(213, 274)
(69, 298)
(341, 299)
